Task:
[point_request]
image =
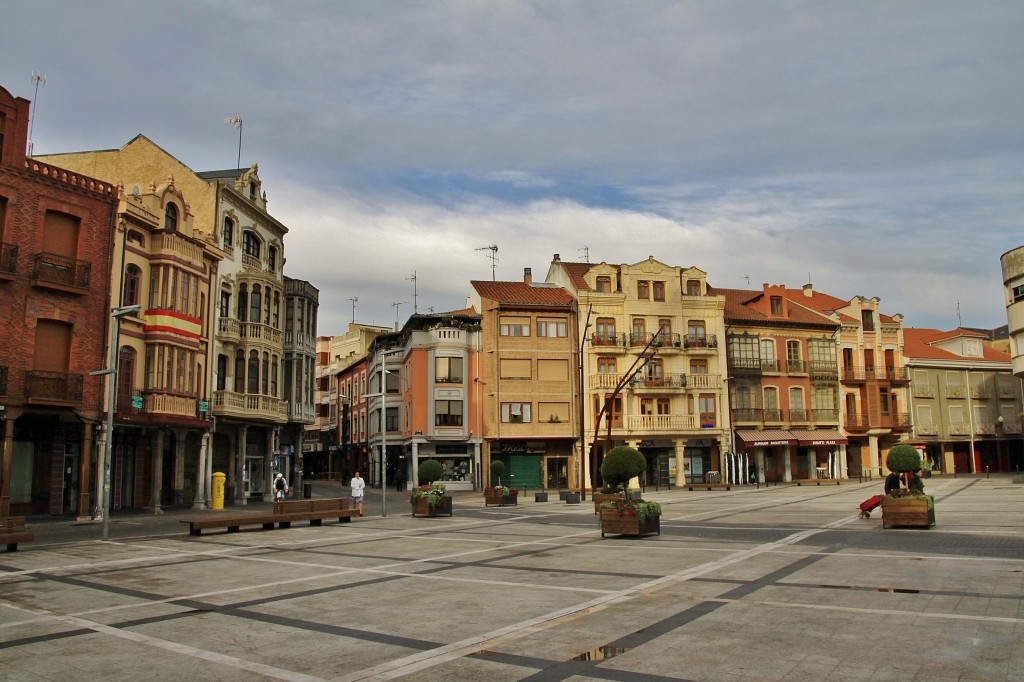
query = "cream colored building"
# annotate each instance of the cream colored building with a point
(652, 331)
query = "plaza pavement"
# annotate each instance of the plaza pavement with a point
(772, 583)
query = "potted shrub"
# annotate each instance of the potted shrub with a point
(620, 465)
(906, 507)
(630, 517)
(497, 469)
(430, 499)
(500, 495)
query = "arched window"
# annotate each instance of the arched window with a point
(132, 280)
(134, 236)
(255, 299)
(277, 310)
(272, 259)
(125, 378)
(251, 244)
(796, 404)
(265, 374)
(170, 217)
(227, 234)
(243, 302)
(273, 376)
(253, 387)
(239, 371)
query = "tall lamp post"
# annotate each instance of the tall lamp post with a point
(108, 442)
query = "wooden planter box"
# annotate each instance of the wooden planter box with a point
(614, 523)
(501, 500)
(420, 507)
(600, 498)
(906, 511)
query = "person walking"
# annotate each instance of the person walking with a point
(400, 479)
(280, 488)
(357, 484)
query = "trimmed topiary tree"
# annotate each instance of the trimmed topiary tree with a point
(622, 464)
(903, 458)
(497, 469)
(430, 470)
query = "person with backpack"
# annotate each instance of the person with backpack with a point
(280, 488)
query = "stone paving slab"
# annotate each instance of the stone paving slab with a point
(779, 583)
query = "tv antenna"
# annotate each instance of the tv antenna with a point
(415, 307)
(493, 248)
(37, 79)
(236, 121)
(746, 277)
(398, 307)
(354, 299)
(586, 253)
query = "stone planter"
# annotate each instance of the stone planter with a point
(572, 498)
(501, 500)
(907, 511)
(540, 497)
(421, 507)
(600, 498)
(614, 523)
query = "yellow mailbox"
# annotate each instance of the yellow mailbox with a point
(218, 490)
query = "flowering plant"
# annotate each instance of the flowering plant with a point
(502, 490)
(645, 510)
(431, 493)
(904, 494)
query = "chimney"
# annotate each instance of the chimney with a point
(808, 290)
(556, 258)
(528, 275)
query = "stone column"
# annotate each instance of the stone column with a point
(179, 465)
(243, 434)
(6, 455)
(82, 509)
(199, 501)
(157, 472)
(787, 464)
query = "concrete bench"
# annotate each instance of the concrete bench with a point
(284, 513)
(12, 531)
(709, 486)
(815, 481)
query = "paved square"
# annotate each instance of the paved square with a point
(750, 584)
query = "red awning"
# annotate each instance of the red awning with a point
(820, 437)
(766, 437)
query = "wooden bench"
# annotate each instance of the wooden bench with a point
(815, 481)
(709, 486)
(314, 511)
(12, 531)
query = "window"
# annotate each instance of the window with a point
(646, 406)
(253, 384)
(643, 290)
(225, 304)
(243, 302)
(552, 370)
(252, 190)
(251, 244)
(447, 413)
(448, 370)
(222, 372)
(606, 366)
(240, 371)
(867, 320)
(605, 334)
(511, 368)
(639, 331)
(227, 234)
(553, 412)
(514, 326)
(272, 259)
(695, 329)
(664, 406)
(664, 331)
(613, 410)
(255, 300)
(768, 361)
(170, 217)
(655, 372)
(793, 353)
(698, 366)
(776, 305)
(515, 413)
(796, 403)
(883, 401)
(551, 327)
(604, 284)
(693, 287)
(132, 279)
(659, 290)
(771, 404)
(743, 351)
(1018, 292)
(133, 236)
(708, 412)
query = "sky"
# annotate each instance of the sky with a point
(869, 148)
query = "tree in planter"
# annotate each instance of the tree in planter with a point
(620, 465)
(903, 458)
(430, 470)
(497, 469)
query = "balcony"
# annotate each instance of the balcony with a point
(745, 366)
(923, 391)
(928, 429)
(854, 421)
(897, 375)
(656, 340)
(8, 260)
(664, 423)
(300, 413)
(823, 370)
(53, 388)
(795, 367)
(955, 391)
(770, 366)
(62, 273)
(255, 331)
(228, 330)
(981, 392)
(693, 342)
(250, 407)
(855, 375)
(607, 341)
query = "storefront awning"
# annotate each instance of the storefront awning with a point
(766, 437)
(819, 437)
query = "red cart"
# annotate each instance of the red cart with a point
(869, 505)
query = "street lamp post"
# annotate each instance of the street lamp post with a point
(115, 328)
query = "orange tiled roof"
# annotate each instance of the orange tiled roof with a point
(577, 272)
(521, 293)
(917, 343)
(737, 308)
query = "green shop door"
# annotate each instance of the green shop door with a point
(525, 471)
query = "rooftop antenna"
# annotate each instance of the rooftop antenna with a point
(236, 121)
(493, 248)
(354, 299)
(398, 307)
(746, 277)
(586, 253)
(37, 78)
(959, 320)
(415, 307)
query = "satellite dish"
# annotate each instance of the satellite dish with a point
(135, 191)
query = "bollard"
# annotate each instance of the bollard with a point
(217, 493)
(986, 472)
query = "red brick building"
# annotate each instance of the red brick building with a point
(56, 236)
